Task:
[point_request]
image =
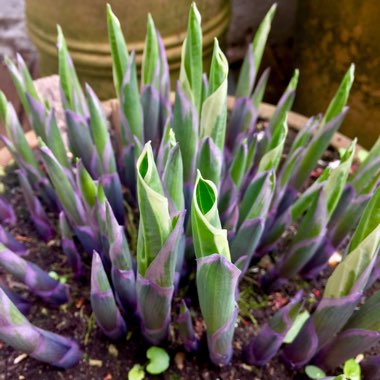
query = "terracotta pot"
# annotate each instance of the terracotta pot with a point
(85, 27)
(48, 89)
(330, 35)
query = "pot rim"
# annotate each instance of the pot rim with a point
(266, 111)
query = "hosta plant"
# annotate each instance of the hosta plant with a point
(213, 199)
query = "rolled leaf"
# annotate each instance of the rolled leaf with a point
(253, 212)
(339, 101)
(101, 138)
(22, 80)
(208, 236)
(214, 110)
(150, 101)
(315, 149)
(40, 344)
(36, 211)
(38, 281)
(217, 277)
(64, 187)
(254, 55)
(186, 329)
(151, 56)
(191, 61)
(243, 119)
(258, 93)
(155, 222)
(131, 115)
(173, 178)
(16, 135)
(337, 179)
(210, 160)
(164, 77)
(264, 346)
(157, 250)
(185, 127)
(71, 91)
(271, 159)
(284, 105)
(118, 49)
(80, 141)
(53, 139)
(155, 287)
(217, 280)
(103, 302)
(122, 274)
(68, 245)
(304, 245)
(237, 168)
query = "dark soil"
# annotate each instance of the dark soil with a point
(107, 360)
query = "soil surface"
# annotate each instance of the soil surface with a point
(108, 360)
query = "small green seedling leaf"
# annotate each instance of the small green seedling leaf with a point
(158, 360)
(352, 370)
(136, 373)
(314, 372)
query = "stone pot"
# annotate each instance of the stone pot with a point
(85, 27)
(48, 88)
(330, 35)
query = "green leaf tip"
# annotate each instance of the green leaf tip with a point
(151, 52)
(219, 68)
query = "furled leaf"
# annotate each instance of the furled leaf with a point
(217, 280)
(210, 160)
(71, 91)
(155, 221)
(131, 115)
(185, 127)
(191, 62)
(118, 48)
(254, 55)
(37, 280)
(22, 80)
(173, 178)
(150, 57)
(339, 101)
(258, 93)
(103, 302)
(214, 111)
(237, 168)
(19, 333)
(369, 222)
(208, 236)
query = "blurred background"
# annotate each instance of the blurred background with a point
(320, 37)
